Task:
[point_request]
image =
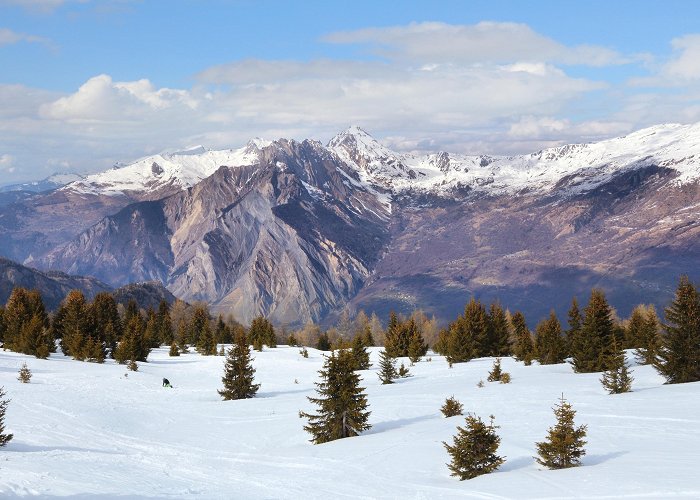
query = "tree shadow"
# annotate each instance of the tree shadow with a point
(599, 459)
(397, 424)
(516, 463)
(272, 394)
(30, 448)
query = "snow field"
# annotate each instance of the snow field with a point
(91, 430)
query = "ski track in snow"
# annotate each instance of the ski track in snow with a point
(88, 431)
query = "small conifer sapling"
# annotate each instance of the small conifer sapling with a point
(387, 368)
(564, 445)
(239, 373)
(25, 374)
(4, 437)
(496, 372)
(617, 378)
(474, 449)
(452, 407)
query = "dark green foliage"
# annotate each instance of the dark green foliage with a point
(647, 338)
(151, 332)
(498, 338)
(94, 350)
(550, 345)
(133, 366)
(3, 328)
(25, 324)
(134, 345)
(590, 348)
(575, 322)
(392, 337)
(324, 343)
(467, 335)
(452, 407)
(174, 351)
(474, 448)
(617, 378)
(132, 310)
(73, 325)
(239, 374)
(387, 368)
(523, 347)
(563, 447)
(4, 437)
(222, 332)
(25, 374)
(369, 339)
(206, 345)
(342, 404)
(403, 372)
(165, 324)
(304, 352)
(262, 332)
(359, 353)
(417, 347)
(199, 323)
(496, 372)
(678, 360)
(292, 340)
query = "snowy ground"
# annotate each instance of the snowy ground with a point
(85, 430)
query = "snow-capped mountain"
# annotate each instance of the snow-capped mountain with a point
(296, 230)
(51, 182)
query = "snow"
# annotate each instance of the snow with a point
(89, 430)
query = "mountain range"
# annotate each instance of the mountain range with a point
(298, 230)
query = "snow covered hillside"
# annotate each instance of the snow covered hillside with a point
(89, 430)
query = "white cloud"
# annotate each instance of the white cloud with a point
(485, 42)
(9, 37)
(686, 65)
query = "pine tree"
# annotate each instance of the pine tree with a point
(292, 340)
(4, 437)
(678, 360)
(151, 332)
(467, 335)
(648, 339)
(25, 324)
(165, 324)
(262, 332)
(324, 343)
(174, 351)
(417, 347)
(133, 366)
(200, 321)
(574, 330)
(105, 319)
(524, 347)
(94, 350)
(133, 345)
(496, 372)
(474, 449)
(550, 344)
(369, 338)
(617, 378)
(222, 333)
(239, 374)
(563, 447)
(590, 349)
(359, 353)
(403, 372)
(72, 324)
(387, 368)
(391, 337)
(25, 374)
(206, 344)
(452, 407)
(342, 403)
(498, 337)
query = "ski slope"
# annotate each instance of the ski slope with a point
(84, 430)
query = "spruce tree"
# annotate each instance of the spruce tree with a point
(369, 338)
(496, 372)
(165, 324)
(359, 353)
(617, 378)
(105, 319)
(25, 374)
(474, 449)
(262, 332)
(452, 407)
(467, 335)
(550, 344)
(206, 345)
(590, 351)
(392, 341)
(575, 321)
(4, 437)
(200, 321)
(342, 403)
(174, 351)
(678, 360)
(387, 368)
(403, 372)
(648, 339)
(95, 351)
(564, 445)
(324, 343)
(72, 324)
(292, 340)
(417, 347)
(25, 324)
(498, 335)
(239, 374)
(523, 347)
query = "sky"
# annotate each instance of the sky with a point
(85, 84)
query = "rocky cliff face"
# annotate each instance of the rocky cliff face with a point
(296, 230)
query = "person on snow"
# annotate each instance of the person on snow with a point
(166, 383)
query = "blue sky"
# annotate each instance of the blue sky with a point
(85, 84)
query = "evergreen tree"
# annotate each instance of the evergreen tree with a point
(403, 372)
(617, 378)
(94, 350)
(199, 323)
(496, 372)
(452, 407)
(2, 325)
(174, 351)
(239, 374)
(105, 319)
(498, 335)
(222, 333)
(25, 374)
(369, 338)
(474, 449)
(4, 437)
(342, 403)
(134, 345)
(590, 350)
(387, 368)
(182, 335)
(634, 327)
(417, 347)
(359, 353)
(262, 332)
(550, 343)
(648, 339)
(132, 310)
(206, 345)
(467, 335)
(324, 343)
(72, 324)
(564, 444)
(391, 336)
(165, 324)
(678, 360)
(292, 340)
(133, 366)
(574, 330)
(523, 347)
(25, 324)
(152, 331)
